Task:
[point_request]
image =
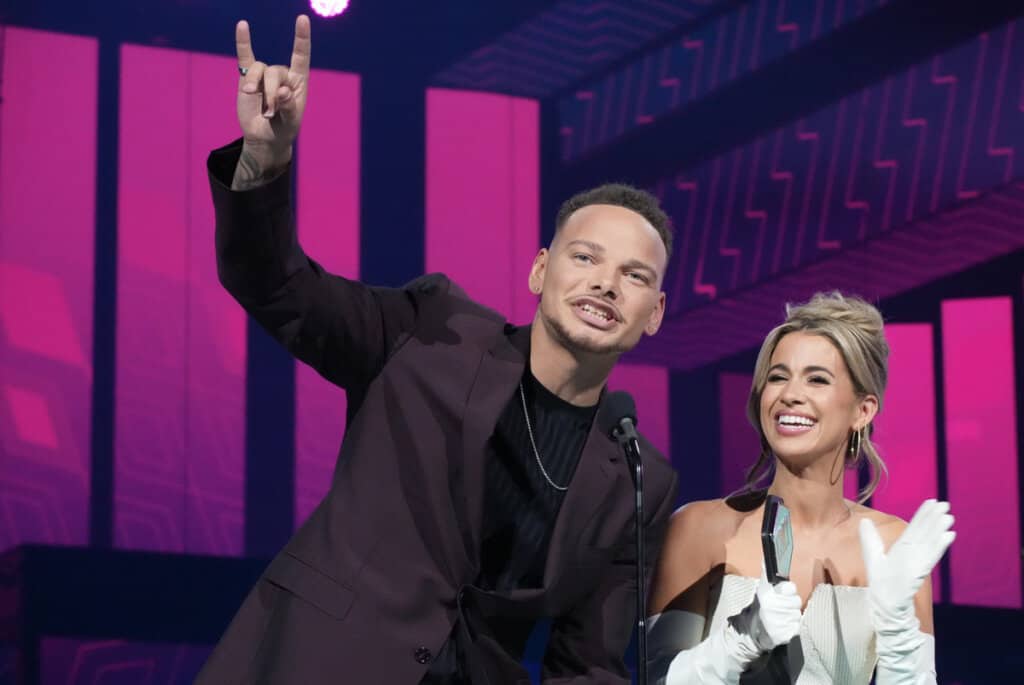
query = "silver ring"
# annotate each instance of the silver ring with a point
(243, 70)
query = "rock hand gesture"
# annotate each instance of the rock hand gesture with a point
(271, 100)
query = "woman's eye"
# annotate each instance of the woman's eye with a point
(819, 380)
(775, 378)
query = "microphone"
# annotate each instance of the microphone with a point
(617, 418)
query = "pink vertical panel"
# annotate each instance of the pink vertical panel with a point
(328, 217)
(152, 301)
(905, 428)
(47, 237)
(981, 451)
(483, 194)
(740, 444)
(180, 403)
(215, 339)
(649, 387)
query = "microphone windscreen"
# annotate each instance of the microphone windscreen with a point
(615, 407)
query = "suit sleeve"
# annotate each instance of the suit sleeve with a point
(342, 328)
(588, 644)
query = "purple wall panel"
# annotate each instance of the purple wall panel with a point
(981, 451)
(739, 442)
(649, 387)
(328, 218)
(118, 662)
(939, 133)
(179, 406)
(567, 41)
(482, 195)
(47, 235)
(712, 55)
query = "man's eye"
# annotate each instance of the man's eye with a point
(639, 277)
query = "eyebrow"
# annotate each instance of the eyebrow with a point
(587, 244)
(807, 369)
(636, 264)
(631, 264)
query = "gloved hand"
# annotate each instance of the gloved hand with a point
(894, 577)
(905, 654)
(676, 657)
(776, 616)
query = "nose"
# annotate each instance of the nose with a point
(790, 394)
(603, 283)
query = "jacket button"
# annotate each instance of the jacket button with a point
(422, 655)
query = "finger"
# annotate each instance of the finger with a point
(871, 546)
(252, 82)
(287, 107)
(938, 524)
(942, 543)
(302, 46)
(271, 85)
(243, 45)
(923, 513)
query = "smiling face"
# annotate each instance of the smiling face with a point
(600, 281)
(809, 404)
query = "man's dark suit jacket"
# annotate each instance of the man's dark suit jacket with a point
(369, 588)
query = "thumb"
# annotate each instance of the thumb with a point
(871, 546)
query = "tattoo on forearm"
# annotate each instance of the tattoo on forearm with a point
(249, 173)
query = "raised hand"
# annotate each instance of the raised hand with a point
(894, 577)
(271, 100)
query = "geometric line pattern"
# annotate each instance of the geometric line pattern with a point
(886, 264)
(939, 133)
(712, 55)
(565, 43)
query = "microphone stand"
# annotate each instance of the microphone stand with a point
(626, 436)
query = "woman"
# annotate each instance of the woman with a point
(858, 596)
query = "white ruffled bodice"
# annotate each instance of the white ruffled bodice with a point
(836, 645)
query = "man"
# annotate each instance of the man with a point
(473, 493)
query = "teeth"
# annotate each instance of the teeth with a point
(787, 420)
(596, 312)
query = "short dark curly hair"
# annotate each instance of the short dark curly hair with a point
(621, 195)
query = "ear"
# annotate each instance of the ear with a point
(866, 410)
(537, 271)
(654, 320)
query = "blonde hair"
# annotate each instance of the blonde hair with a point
(855, 327)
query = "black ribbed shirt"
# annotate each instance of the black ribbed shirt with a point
(520, 506)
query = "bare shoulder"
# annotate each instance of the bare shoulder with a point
(703, 517)
(694, 545)
(702, 526)
(889, 527)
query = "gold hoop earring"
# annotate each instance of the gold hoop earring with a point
(855, 444)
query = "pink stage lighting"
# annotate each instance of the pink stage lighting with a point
(328, 8)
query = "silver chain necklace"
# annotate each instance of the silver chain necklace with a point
(536, 454)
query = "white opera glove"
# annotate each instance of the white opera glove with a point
(905, 654)
(772, 619)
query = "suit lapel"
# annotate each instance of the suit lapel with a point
(501, 368)
(596, 477)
